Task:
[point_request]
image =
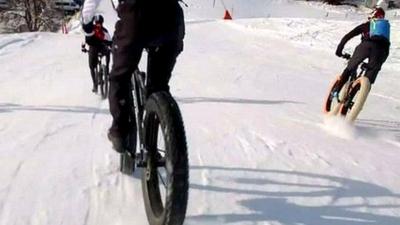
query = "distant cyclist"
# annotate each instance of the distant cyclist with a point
(157, 25)
(99, 40)
(374, 46)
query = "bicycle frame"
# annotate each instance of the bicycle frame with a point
(354, 77)
(138, 96)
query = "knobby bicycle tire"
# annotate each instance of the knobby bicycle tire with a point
(162, 112)
(103, 81)
(106, 82)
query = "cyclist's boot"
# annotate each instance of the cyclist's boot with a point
(118, 142)
(94, 89)
(336, 89)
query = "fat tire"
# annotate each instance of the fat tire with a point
(331, 107)
(102, 79)
(162, 111)
(106, 82)
(361, 86)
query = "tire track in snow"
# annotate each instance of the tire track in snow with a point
(104, 176)
(8, 190)
(17, 42)
(48, 134)
(276, 147)
(386, 97)
(245, 147)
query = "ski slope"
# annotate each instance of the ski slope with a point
(251, 93)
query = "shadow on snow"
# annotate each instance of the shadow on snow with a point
(193, 100)
(268, 206)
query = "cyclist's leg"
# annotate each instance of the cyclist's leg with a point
(377, 57)
(126, 56)
(161, 62)
(162, 59)
(360, 53)
(107, 55)
(92, 65)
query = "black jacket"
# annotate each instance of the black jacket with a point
(362, 29)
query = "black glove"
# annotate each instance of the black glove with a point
(88, 28)
(339, 50)
(346, 56)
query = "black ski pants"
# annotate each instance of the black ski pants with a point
(155, 25)
(375, 52)
(93, 59)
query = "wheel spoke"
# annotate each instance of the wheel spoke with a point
(162, 180)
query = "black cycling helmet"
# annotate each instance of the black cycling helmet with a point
(99, 19)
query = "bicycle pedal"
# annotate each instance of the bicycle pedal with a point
(161, 162)
(140, 163)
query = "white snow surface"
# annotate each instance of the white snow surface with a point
(251, 93)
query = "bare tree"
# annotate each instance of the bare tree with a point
(33, 15)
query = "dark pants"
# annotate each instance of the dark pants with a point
(152, 24)
(375, 52)
(93, 59)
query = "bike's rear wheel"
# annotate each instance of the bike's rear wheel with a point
(102, 75)
(356, 98)
(165, 179)
(106, 82)
(115, 4)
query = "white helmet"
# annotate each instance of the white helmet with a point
(383, 4)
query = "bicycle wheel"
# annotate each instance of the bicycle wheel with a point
(103, 81)
(332, 103)
(356, 98)
(96, 82)
(114, 4)
(106, 82)
(165, 180)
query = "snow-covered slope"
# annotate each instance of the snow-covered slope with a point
(251, 93)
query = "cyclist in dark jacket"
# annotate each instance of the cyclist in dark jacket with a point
(157, 25)
(99, 40)
(373, 46)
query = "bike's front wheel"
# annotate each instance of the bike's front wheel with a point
(332, 102)
(355, 99)
(165, 179)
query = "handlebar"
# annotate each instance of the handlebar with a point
(363, 66)
(346, 56)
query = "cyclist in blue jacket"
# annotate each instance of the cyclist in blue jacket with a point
(375, 43)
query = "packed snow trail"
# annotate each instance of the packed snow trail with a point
(251, 93)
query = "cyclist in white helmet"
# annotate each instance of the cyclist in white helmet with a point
(99, 40)
(157, 25)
